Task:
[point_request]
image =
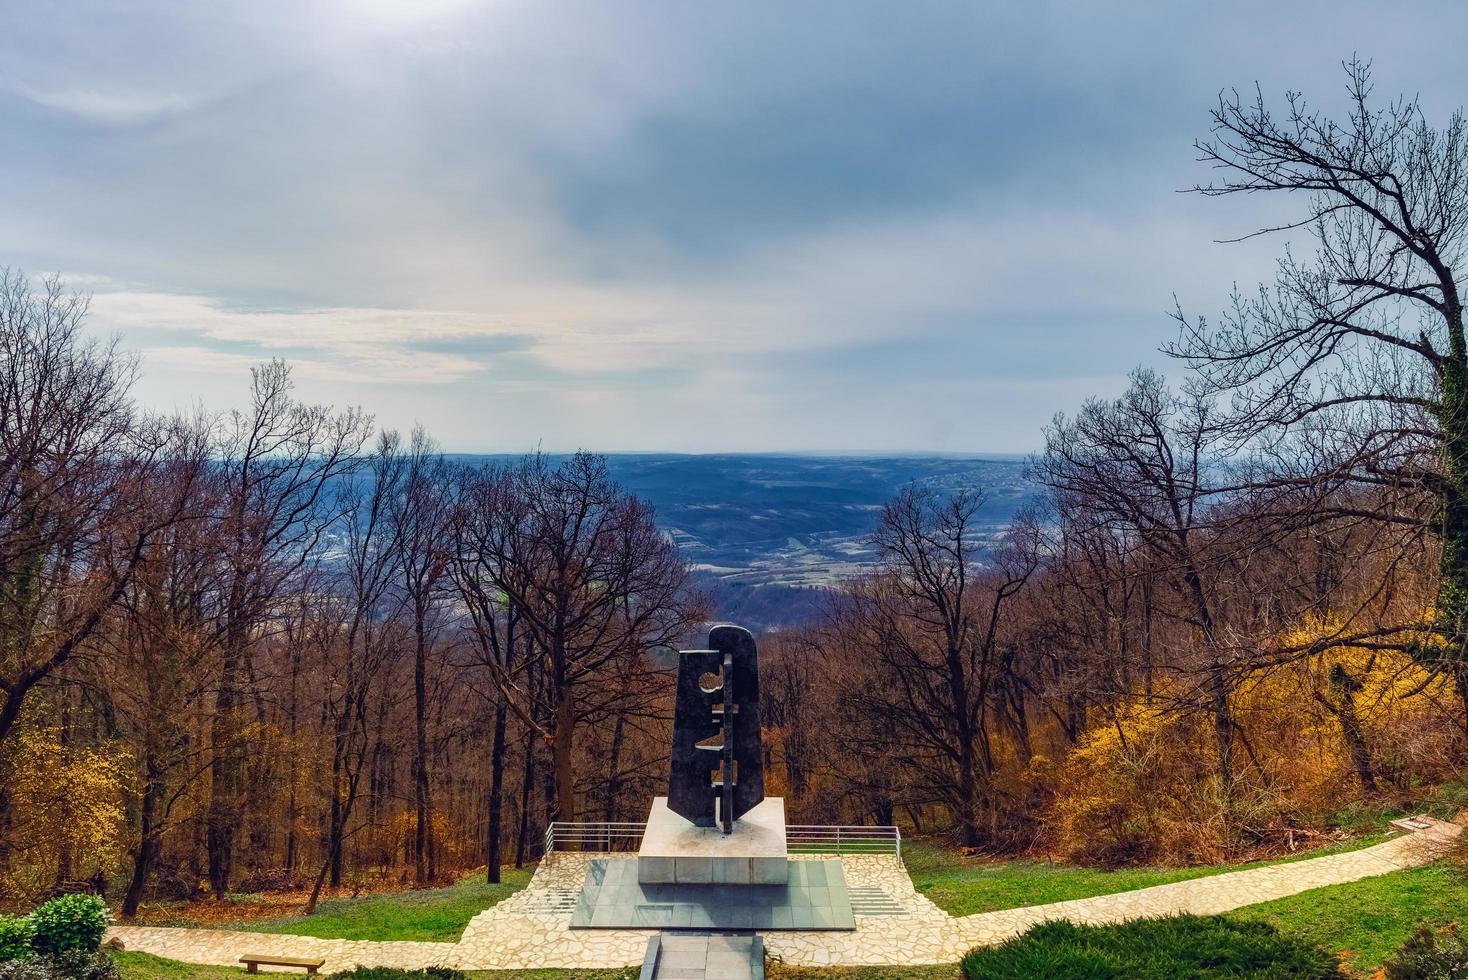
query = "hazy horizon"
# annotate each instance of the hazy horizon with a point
(794, 453)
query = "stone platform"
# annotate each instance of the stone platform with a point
(677, 851)
(814, 898)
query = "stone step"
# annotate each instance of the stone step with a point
(874, 901)
(704, 956)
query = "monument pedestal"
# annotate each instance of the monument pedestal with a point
(677, 851)
(691, 877)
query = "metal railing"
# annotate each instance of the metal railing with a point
(842, 839)
(799, 838)
(566, 836)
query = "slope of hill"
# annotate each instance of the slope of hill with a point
(766, 532)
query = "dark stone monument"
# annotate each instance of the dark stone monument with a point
(717, 771)
(714, 852)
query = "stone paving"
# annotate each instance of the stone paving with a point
(690, 956)
(531, 929)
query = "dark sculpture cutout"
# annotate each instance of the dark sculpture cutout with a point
(720, 780)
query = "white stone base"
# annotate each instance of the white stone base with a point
(677, 851)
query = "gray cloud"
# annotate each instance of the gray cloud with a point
(802, 225)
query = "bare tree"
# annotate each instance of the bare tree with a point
(485, 503)
(278, 464)
(1144, 468)
(356, 635)
(593, 584)
(420, 509)
(74, 522)
(161, 656)
(931, 618)
(1352, 364)
(79, 502)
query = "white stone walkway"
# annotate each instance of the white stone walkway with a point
(524, 931)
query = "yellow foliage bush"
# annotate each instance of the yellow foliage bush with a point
(67, 811)
(1144, 787)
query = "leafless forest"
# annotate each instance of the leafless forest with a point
(279, 647)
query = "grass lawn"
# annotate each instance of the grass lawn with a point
(777, 971)
(1153, 949)
(964, 886)
(433, 914)
(142, 966)
(145, 966)
(1366, 920)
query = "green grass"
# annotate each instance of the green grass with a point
(1151, 949)
(434, 914)
(1366, 920)
(777, 971)
(964, 886)
(144, 966)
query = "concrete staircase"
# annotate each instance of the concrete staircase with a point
(704, 956)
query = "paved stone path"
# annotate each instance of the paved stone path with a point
(531, 929)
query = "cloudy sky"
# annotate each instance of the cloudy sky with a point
(657, 225)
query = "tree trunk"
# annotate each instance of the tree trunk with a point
(1222, 731)
(1356, 745)
(336, 818)
(1452, 598)
(964, 731)
(492, 833)
(563, 761)
(149, 843)
(292, 811)
(527, 785)
(614, 762)
(1344, 710)
(967, 795)
(420, 756)
(224, 779)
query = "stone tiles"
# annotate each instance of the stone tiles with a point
(684, 956)
(676, 851)
(814, 897)
(519, 934)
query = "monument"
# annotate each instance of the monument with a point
(715, 824)
(716, 727)
(714, 853)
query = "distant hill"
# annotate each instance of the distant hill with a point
(767, 533)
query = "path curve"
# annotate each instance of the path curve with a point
(524, 931)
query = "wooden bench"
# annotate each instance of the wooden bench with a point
(254, 961)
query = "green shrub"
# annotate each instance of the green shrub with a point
(16, 934)
(1151, 949)
(393, 973)
(71, 922)
(1430, 956)
(73, 965)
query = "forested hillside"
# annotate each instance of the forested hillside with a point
(1214, 616)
